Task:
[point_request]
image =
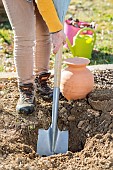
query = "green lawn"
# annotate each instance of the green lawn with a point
(100, 12)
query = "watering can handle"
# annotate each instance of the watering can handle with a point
(87, 29)
(69, 45)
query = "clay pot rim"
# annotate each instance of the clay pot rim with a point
(77, 61)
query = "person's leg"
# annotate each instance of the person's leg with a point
(43, 44)
(42, 55)
(21, 17)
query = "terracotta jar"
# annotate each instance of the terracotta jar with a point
(76, 80)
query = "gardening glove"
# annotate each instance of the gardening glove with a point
(58, 38)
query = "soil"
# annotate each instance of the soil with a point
(89, 122)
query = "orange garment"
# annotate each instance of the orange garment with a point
(49, 14)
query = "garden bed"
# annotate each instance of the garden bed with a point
(89, 122)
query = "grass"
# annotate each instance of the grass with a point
(85, 10)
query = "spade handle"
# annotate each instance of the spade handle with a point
(56, 92)
(57, 68)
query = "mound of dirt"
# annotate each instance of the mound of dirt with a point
(89, 122)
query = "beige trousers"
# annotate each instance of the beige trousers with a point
(32, 43)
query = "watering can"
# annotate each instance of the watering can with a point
(71, 27)
(82, 43)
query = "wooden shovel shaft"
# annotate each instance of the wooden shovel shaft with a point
(57, 68)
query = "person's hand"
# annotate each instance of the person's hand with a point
(58, 39)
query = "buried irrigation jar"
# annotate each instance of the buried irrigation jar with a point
(76, 80)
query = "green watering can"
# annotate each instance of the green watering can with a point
(83, 43)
